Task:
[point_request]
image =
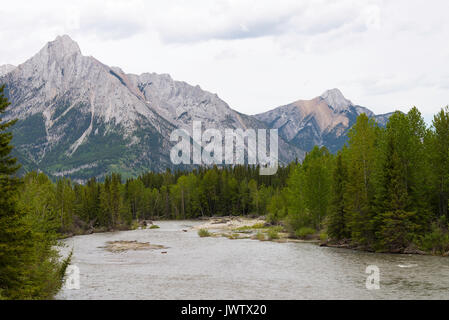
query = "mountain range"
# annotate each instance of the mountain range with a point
(80, 118)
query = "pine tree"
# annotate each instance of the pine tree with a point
(395, 224)
(316, 179)
(359, 189)
(14, 237)
(440, 161)
(338, 224)
(29, 267)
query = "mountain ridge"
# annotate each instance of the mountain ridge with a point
(80, 118)
(324, 120)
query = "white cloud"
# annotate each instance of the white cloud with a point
(256, 54)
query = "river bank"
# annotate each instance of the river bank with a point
(238, 228)
(190, 267)
(253, 228)
(346, 244)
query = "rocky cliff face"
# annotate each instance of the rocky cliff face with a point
(78, 117)
(6, 69)
(322, 121)
(81, 118)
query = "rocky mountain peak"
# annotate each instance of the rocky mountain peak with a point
(61, 50)
(336, 100)
(63, 46)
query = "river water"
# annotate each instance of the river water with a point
(219, 268)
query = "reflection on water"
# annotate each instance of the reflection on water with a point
(219, 268)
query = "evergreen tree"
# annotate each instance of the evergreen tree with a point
(338, 222)
(394, 224)
(29, 267)
(360, 189)
(440, 160)
(15, 239)
(316, 179)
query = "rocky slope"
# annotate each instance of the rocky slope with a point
(81, 118)
(322, 121)
(77, 118)
(4, 69)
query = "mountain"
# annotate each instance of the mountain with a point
(323, 121)
(6, 68)
(77, 117)
(81, 118)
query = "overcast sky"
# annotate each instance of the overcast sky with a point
(256, 55)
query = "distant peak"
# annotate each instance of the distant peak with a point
(64, 45)
(333, 92)
(336, 99)
(64, 37)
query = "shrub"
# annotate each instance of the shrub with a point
(135, 225)
(436, 242)
(277, 228)
(305, 232)
(244, 228)
(154, 227)
(323, 236)
(203, 233)
(260, 225)
(260, 236)
(273, 234)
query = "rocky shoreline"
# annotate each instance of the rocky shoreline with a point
(346, 244)
(239, 228)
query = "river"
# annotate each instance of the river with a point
(219, 268)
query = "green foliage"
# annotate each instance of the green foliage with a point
(29, 264)
(324, 236)
(248, 228)
(359, 191)
(277, 209)
(389, 184)
(309, 190)
(273, 234)
(134, 225)
(154, 227)
(305, 232)
(436, 241)
(338, 220)
(439, 160)
(204, 233)
(397, 231)
(260, 236)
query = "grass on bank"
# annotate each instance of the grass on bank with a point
(204, 233)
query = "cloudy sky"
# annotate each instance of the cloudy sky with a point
(256, 54)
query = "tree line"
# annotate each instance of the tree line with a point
(114, 204)
(386, 190)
